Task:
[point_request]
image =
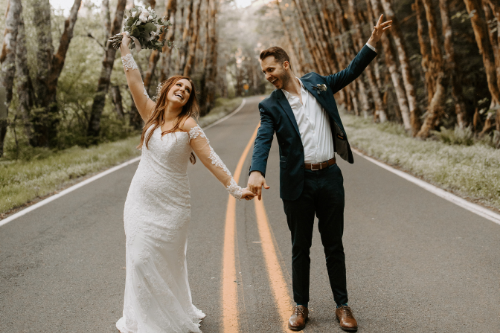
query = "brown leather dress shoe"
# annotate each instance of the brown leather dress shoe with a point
(297, 321)
(346, 319)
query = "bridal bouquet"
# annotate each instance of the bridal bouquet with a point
(144, 27)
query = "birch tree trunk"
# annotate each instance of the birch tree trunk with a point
(492, 12)
(181, 61)
(452, 68)
(411, 121)
(25, 92)
(424, 50)
(293, 46)
(359, 38)
(481, 34)
(195, 30)
(351, 53)
(210, 74)
(94, 126)
(391, 65)
(319, 43)
(49, 67)
(435, 110)
(8, 62)
(171, 10)
(317, 63)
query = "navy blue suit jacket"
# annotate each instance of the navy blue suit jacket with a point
(276, 116)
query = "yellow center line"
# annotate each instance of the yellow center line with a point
(230, 322)
(276, 278)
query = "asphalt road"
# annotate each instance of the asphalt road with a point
(415, 262)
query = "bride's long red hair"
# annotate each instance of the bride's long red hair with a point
(157, 118)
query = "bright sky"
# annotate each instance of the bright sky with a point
(66, 4)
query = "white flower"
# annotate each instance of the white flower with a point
(150, 17)
(143, 18)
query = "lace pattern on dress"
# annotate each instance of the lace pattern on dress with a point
(233, 187)
(129, 62)
(195, 132)
(145, 92)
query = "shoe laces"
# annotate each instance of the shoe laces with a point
(347, 311)
(299, 310)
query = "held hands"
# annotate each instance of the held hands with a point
(247, 194)
(378, 30)
(255, 183)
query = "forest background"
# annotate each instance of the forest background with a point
(437, 76)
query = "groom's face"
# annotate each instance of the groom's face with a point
(276, 73)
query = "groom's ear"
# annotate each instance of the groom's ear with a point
(286, 65)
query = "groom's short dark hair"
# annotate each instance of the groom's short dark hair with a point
(278, 53)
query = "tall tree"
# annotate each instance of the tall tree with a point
(207, 103)
(390, 62)
(8, 62)
(49, 67)
(108, 60)
(293, 46)
(170, 12)
(193, 40)
(411, 121)
(435, 109)
(361, 40)
(480, 28)
(183, 47)
(25, 93)
(451, 65)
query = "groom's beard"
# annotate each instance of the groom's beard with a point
(282, 81)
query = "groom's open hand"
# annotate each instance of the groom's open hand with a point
(379, 30)
(255, 183)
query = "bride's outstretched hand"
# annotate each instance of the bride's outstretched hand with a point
(247, 194)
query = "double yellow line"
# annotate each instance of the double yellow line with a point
(230, 315)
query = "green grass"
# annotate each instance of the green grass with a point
(42, 172)
(471, 171)
(23, 181)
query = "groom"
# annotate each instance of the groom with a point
(303, 114)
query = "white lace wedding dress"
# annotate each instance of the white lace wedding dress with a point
(156, 217)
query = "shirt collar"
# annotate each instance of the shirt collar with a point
(288, 94)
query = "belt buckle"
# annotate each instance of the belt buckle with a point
(312, 169)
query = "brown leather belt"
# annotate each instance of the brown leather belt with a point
(319, 166)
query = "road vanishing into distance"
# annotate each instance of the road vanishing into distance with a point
(415, 262)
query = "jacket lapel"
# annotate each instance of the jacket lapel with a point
(288, 110)
(309, 86)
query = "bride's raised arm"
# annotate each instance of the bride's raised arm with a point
(141, 99)
(202, 148)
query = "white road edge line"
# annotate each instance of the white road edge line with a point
(99, 175)
(472, 207)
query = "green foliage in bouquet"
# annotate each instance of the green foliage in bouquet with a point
(145, 27)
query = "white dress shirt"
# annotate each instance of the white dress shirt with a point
(314, 126)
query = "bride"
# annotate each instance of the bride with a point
(157, 209)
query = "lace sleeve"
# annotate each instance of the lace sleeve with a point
(141, 98)
(201, 146)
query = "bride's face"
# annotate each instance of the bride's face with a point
(180, 92)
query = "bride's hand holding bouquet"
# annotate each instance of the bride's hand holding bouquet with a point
(144, 28)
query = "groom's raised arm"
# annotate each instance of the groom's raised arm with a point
(363, 58)
(341, 79)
